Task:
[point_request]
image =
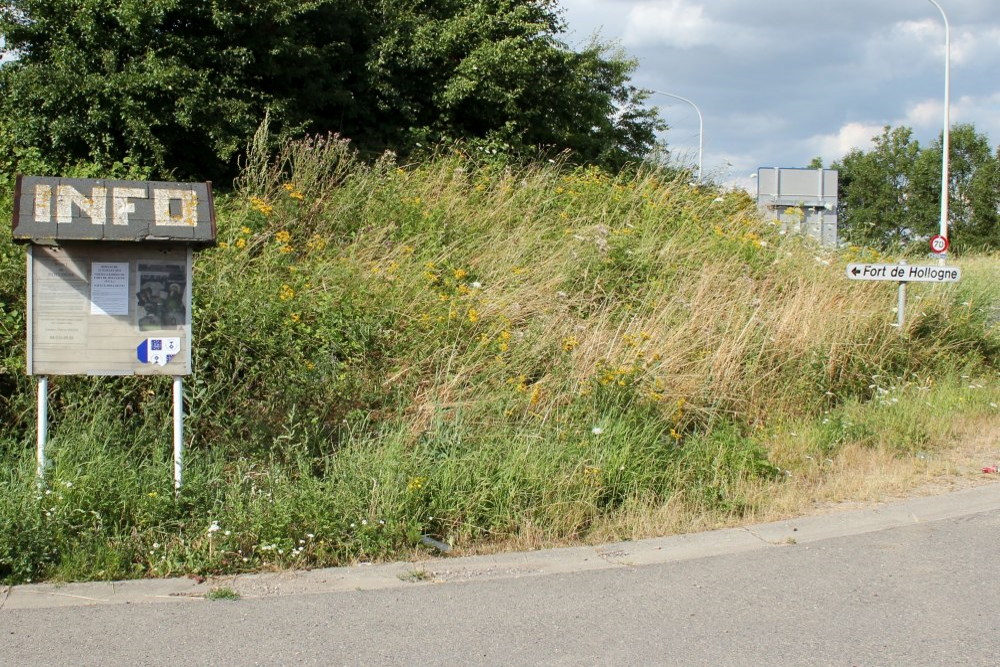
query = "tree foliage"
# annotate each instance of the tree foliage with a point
(890, 196)
(179, 87)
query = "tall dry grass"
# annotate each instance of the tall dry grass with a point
(493, 354)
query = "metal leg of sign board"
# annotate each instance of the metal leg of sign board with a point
(178, 433)
(901, 306)
(43, 426)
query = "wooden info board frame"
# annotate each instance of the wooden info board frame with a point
(109, 267)
(98, 308)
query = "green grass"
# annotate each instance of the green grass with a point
(492, 355)
(222, 593)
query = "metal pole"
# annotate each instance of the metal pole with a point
(43, 427)
(701, 126)
(946, 135)
(178, 432)
(901, 306)
(901, 301)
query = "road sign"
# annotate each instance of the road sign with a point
(904, 273)
(939, 244)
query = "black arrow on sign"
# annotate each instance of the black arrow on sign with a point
(855, 270)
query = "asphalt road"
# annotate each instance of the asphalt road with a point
(909, 584)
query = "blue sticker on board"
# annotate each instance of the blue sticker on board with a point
(157, 351)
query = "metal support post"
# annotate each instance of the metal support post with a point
(901, 306)
(178, 432)
(901, 302)
(43, 426)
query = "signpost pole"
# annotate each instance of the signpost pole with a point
(901, 306)
(43, 426)
(178, 432)
(901, 303)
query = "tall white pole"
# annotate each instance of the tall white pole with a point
(178, 432)
(701, 126)
(946, 136)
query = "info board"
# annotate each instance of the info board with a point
(109, 309)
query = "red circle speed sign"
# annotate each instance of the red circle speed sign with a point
(939, 244)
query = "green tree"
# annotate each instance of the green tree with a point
(179, 87)
(890, 196)
(974, 187)
(175, 86)
(876, 203)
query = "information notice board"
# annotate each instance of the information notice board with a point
(109, 309)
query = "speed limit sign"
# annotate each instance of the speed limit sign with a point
(939, 244)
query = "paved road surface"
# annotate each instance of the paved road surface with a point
(916, 583)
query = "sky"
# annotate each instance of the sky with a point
(780, 82)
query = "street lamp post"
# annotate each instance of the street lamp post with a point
(701, 126)
(946, 136)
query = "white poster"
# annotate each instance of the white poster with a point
(109, 288)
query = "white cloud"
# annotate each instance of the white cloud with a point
(908, 40)
(926, 114)
(850, 136)
(981, 110)
(968, 47)
(676, 23)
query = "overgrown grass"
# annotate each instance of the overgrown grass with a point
(490, 354)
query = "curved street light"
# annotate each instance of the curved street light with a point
(946, 136)
(701, 125)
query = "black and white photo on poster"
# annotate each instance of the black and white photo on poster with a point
(160, 302)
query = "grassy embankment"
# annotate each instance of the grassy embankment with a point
(497, 357)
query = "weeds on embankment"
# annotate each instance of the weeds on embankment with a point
(495, 356)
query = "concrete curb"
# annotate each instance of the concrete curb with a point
(780, 534)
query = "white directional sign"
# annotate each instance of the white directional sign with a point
(904, 273)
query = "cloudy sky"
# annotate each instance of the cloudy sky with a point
(782, 81)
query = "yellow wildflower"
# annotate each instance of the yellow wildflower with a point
(261, 206)
(460, 273)
(570, 343)
(536, 396)
(282, 237)
(241, 243)
(473, 315)
(285, 293)
(316, 242)
(520, 383)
